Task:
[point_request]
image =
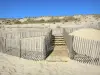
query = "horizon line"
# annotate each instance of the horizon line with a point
(44, 16)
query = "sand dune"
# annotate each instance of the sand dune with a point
(10, 65)
(88, 33)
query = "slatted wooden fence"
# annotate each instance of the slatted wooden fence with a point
(82, 50)
(26, 44)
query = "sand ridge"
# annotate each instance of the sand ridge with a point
(88, 33)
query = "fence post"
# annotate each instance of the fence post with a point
(20, 46)
(5, 46)
(69, 42)
(71, 51)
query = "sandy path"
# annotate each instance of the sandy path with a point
(59, 54)
(10, 65)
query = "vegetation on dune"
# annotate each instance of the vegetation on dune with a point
(51, 20)
(43, 19)
(97, 16)
(7, 22)
(10, 22)
(70, 18)
(33, 21)
(28, 21)
(16, 22)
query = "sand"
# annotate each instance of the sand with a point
(11, 65)
(88, 33)
(59, 54)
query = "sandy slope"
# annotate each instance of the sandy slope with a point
(10, 65)
(88, 33)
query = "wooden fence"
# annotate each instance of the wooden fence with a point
(82, 50)
(26, 45)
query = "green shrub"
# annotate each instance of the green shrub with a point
(17, 22)
(41, 21)
(54, 20)
(97, 16)
(70, 18)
